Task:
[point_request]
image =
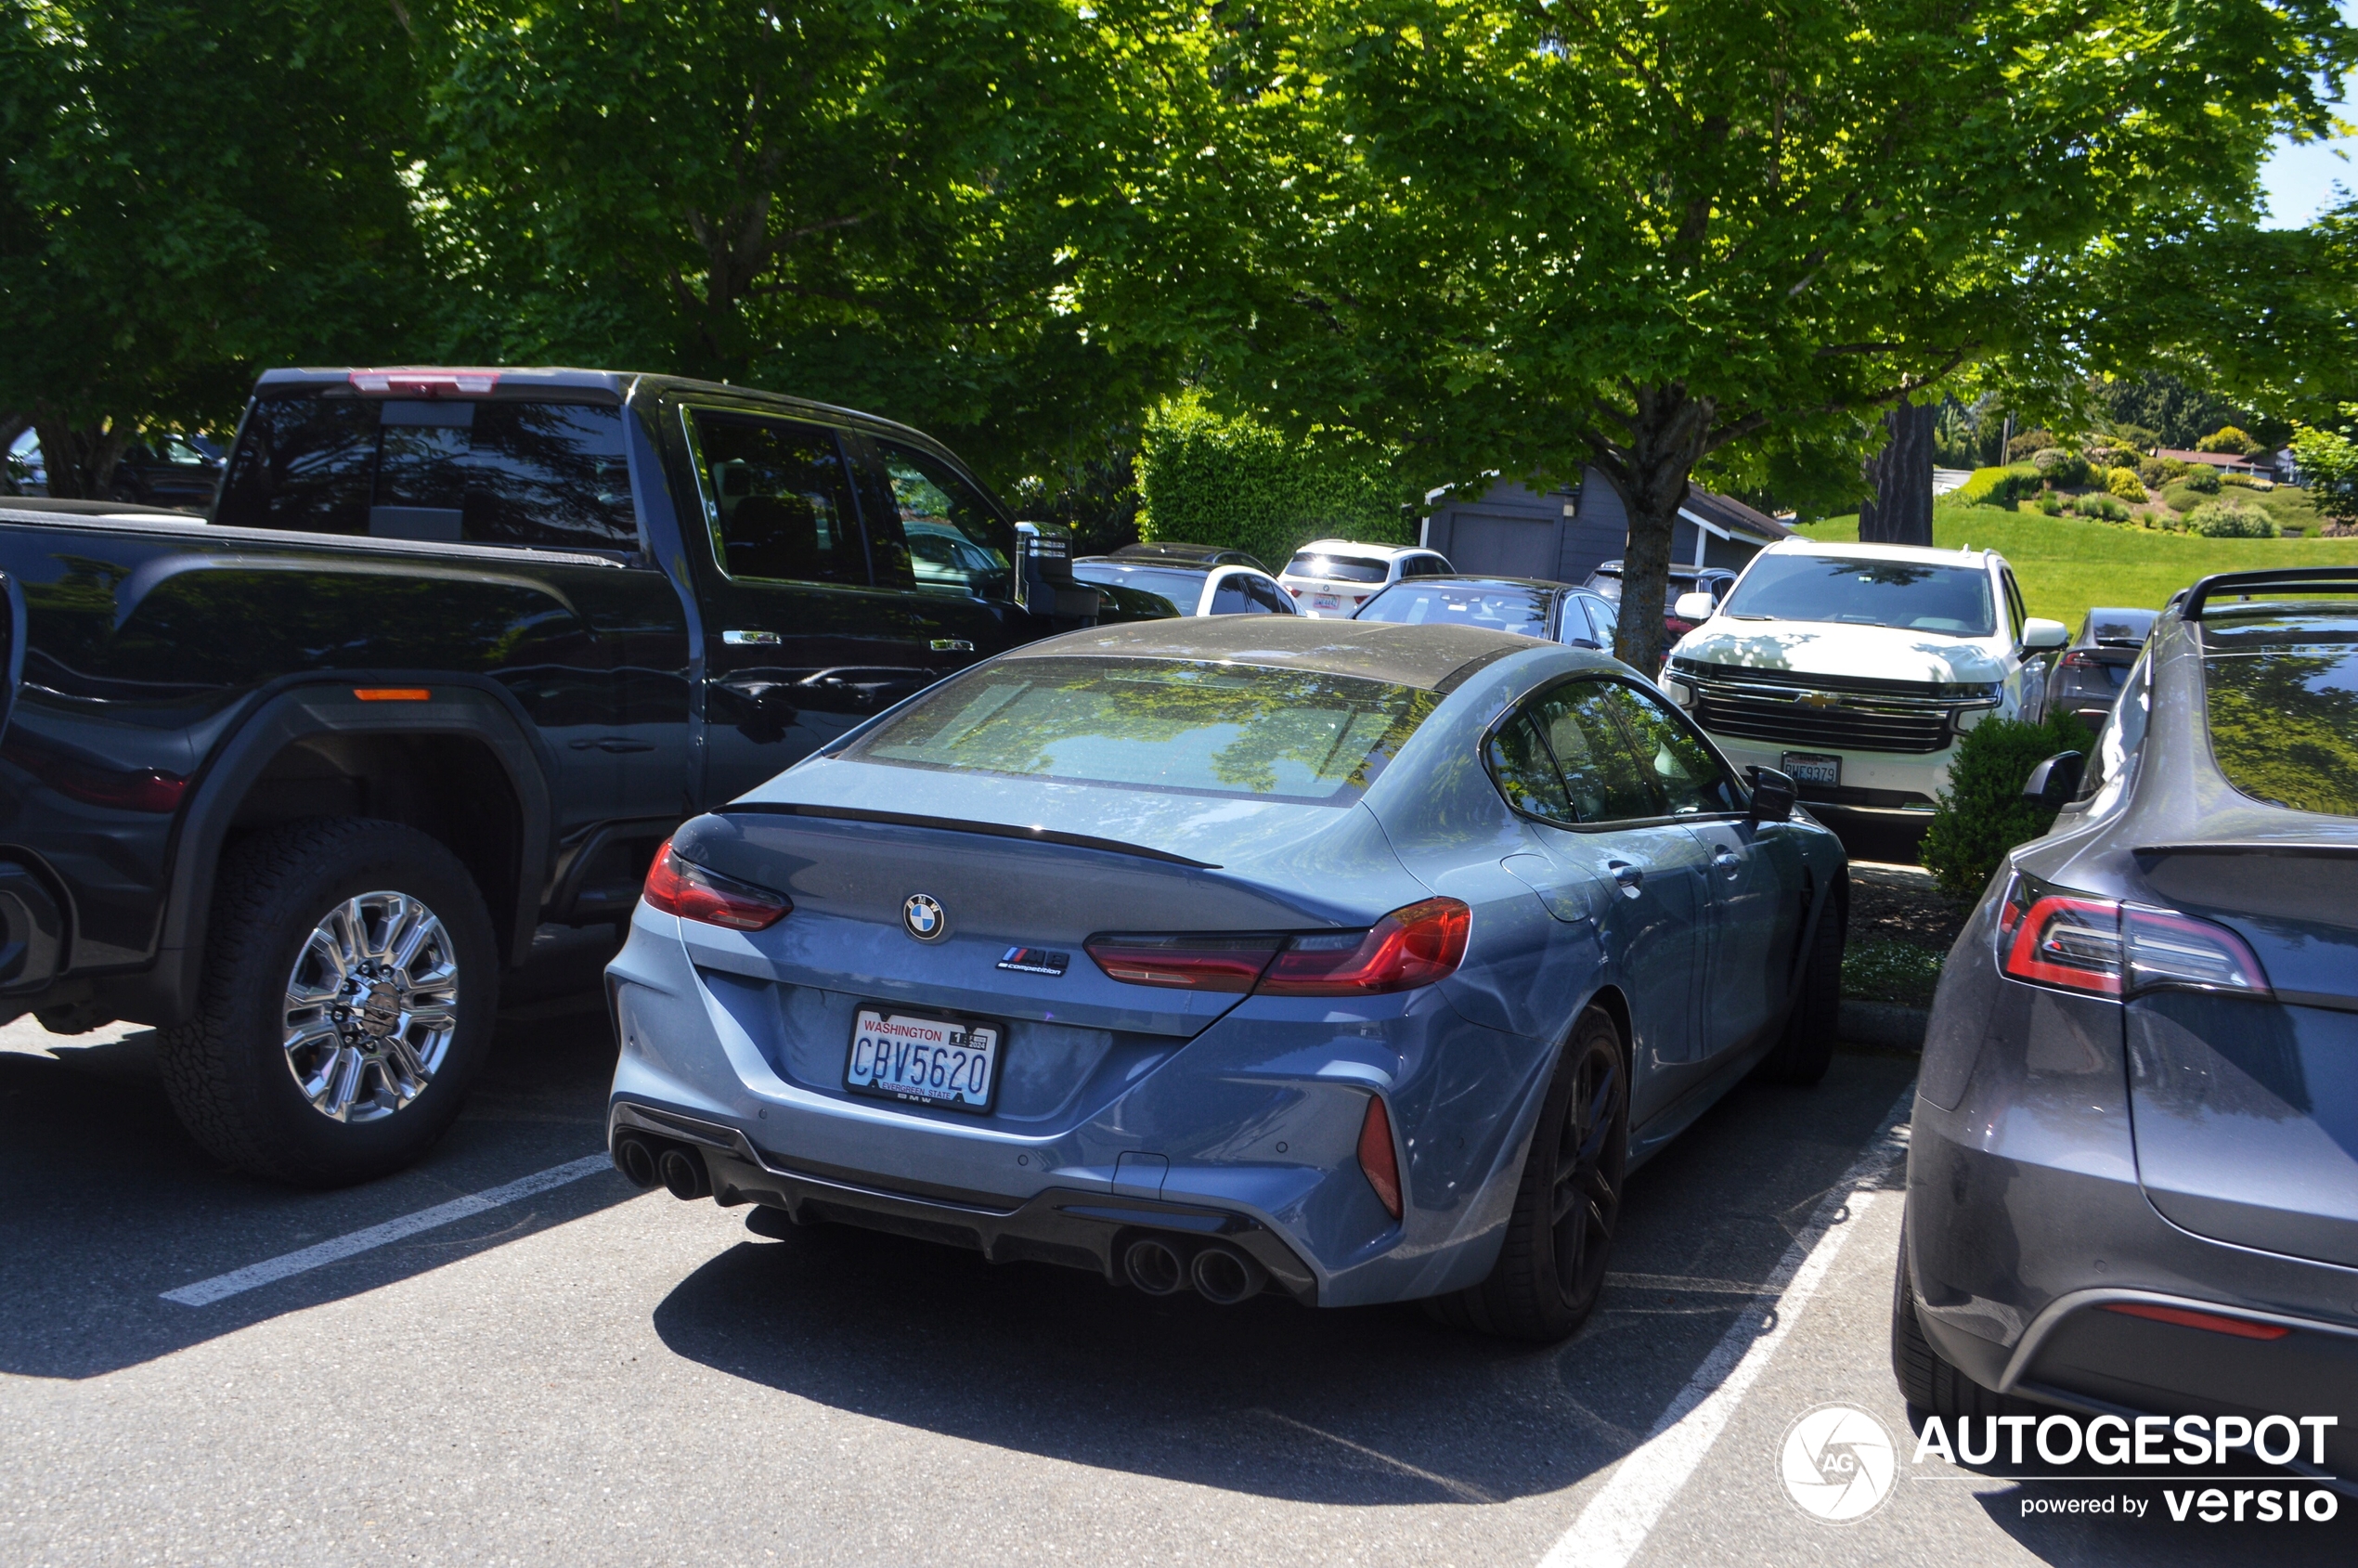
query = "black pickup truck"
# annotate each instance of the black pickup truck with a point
(454, 653)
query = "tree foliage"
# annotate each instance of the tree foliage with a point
(2329, 461)
(1221, 480)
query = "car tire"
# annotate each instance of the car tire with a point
(350, 980)
(1552, 1264)
(1806, 1049)
(1926, 1379)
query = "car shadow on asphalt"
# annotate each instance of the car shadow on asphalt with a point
(1362, 1406)
(108, 1203)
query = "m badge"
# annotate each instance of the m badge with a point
(1035, 961)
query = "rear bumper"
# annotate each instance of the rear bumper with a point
(1060, 1226)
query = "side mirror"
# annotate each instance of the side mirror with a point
(1773, 795)
(1588, 642)
(1696, 607)
(2057, 779)
(2043, 635)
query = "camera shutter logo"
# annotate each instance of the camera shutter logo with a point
(921, 916)
(1838, 1463)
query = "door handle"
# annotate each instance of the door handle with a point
(1628, 877)
(1728, 861)
(613, 743)
(751, 639)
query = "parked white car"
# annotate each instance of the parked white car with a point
(1856, 667)
(1333, 578)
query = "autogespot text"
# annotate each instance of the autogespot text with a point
(2151, 1441)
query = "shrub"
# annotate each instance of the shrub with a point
(2051, 504)
(2105, 458)
(1998, 487)
(2227, 439)
(2097, 504)
(2200, 478)
(2124, 483)
(1209, 479)
(2234, 519)
(1880, 969)
(2249, 481)
(2029, 441)
(2158, 472)
(2059, 467)
(1982, 813)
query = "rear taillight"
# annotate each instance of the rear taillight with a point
(2079, 658)
(1378, 1163)
(2106, 947)
(2217, 1322)
(1186, 963)
(1409, 947)
(1295, 592)
(681, 886)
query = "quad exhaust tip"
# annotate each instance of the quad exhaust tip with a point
(1219, 1273)
(649, 1162)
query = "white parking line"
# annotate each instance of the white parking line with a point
(204, 1292)
(1615, 1525)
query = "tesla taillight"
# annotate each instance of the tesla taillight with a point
(678, 886)
(2079, 658)
(1186, 963)
(1409, 947)
(2217, 1322)
(2107, 948)
(1376, 1161)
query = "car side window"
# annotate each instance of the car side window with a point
(2113, 756)
(957, 542)
(1603, 777)
(1601, 620)
(1228, 598)
(1268, 595)
(1526, 772)
(1692, 779)
(778, 499)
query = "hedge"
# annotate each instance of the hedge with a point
(1982, 814)
(2236, 519)
(1998, 486)
(1207, 478)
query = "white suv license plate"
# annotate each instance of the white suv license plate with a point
(1804, 767)
(1326, 602)
(931, 1061)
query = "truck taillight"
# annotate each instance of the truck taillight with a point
(679, 886)
(406, 380)
(2103, 947)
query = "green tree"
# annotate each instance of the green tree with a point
(2329, 461)
(865, 201)
(189, 190)
(1222, 480)
(1536, 235)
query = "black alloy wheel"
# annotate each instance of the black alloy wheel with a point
(1552, 1264)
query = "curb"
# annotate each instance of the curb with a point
(1882, 1023)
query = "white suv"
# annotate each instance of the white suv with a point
(1333, 578)
(1855, 667)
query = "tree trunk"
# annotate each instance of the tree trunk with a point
(1901, 474)
(80, 460)
(1668, 432)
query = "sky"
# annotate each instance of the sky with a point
(2300, 180)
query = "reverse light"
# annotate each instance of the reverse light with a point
(1376, 1161)
(678, 886)
(2106, 947)
(1413, 946)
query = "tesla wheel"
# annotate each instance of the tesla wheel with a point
(349, 984)
(1807, 1048)
(1926, 1379)
(1552, 1265)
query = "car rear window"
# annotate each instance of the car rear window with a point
(1171, 726)
(1338, 568)
(2284, 715)
(1181, 586)
(1499, 609)
(1911, 595)
(544, 475)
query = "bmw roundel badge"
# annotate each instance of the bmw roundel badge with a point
(923, 917)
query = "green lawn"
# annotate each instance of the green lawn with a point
(2067, 566)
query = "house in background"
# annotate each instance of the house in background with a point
(2264, 466)
(1511, 530)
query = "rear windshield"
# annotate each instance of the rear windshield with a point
(487, 472)
(1499, 609)
(1338, 568)
(1182, 588)
(1911, 595)
(1180, 727)
(2284, 715)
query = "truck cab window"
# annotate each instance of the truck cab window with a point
(308, 464)
(957, 542)
(778, 499)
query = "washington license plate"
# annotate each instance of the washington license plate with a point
(1809, 768)
(931, 1061)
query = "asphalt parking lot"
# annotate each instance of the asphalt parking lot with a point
(568, 1370)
